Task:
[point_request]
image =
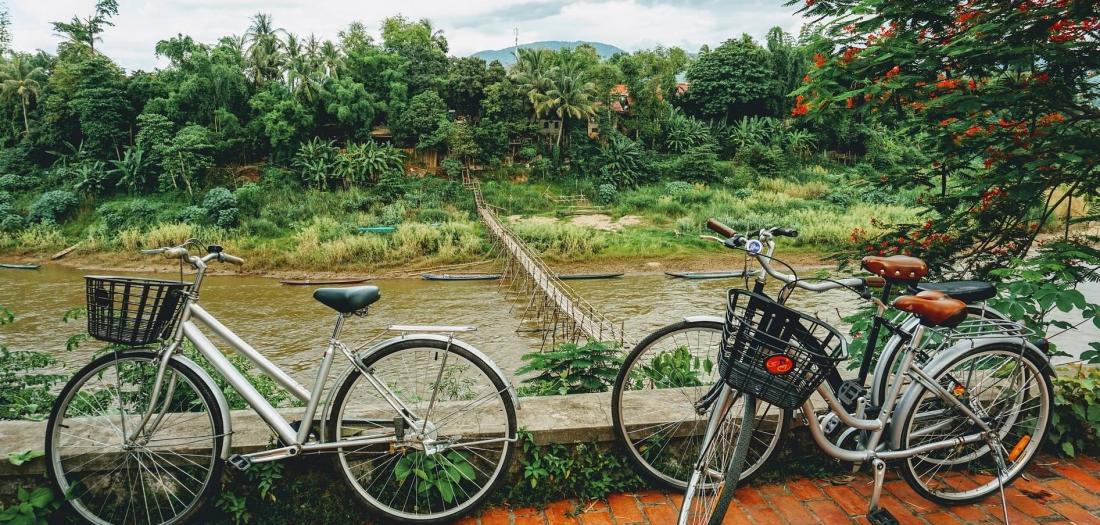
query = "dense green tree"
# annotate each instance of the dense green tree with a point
(729, 82)
(422, 47)
(184, 159)
(416, 124)
(570, 97)
(5, 29)
(284, 121)
(353, 108)
(464, 86)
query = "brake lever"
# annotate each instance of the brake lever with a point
(712, 238)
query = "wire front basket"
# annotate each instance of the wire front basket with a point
(133, 311)
(775, 353)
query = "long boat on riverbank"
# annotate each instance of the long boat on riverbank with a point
(460, 276)
(710, 275)
(580, 276)
(14, 266)
(308, 282)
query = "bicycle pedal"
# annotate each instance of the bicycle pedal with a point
(849, 392)
(240, 462)
(881, 516)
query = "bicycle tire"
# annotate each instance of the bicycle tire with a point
(372, 501)
(631, 442)
(737, 463)
(1036, 365)
(159, 470)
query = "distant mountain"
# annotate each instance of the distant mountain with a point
(506, 56)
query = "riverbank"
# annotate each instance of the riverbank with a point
(710, 259)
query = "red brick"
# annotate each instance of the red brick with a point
(1086, 480)
(561, 513)
(1025, 503)
(793, 511)
(773, 490)
(1075, 513)
(1088, 463)
(748, 496)
(468, 520)
(899, 510)
(829, 513)
(764, 516)
(496, 516)
(902, 490)
(1015, 517)
(597, 518)
(664, 513)
(804, 489)
(528, 516)
(942, 518)
(653, 497)
(848, 499)
(734, 515)
(970, 513)
(625, 509)
(1075, 494)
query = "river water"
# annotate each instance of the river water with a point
(288, 326)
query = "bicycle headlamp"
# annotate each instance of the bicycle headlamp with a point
(754, 246)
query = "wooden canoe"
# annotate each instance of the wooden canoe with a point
(579, 276)
(15, 266)
(709, 275)
(309, 282)
(460, 276)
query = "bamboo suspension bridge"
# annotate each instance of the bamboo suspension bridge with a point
(554, 309)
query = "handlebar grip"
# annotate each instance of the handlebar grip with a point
(154, 251)
(719, 228)
(785, 232)
(874, 281)
(231, 259)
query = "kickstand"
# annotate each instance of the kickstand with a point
(1002, 472)
(879, 515)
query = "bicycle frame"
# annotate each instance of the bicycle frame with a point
(295, 441)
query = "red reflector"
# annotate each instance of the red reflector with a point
(779, 364)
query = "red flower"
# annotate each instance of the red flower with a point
(800, 107)
(819, 60)
(851, 103)
(850, 54)
(806, 79)
(974, 130)
(972, 85)
(893, 71)
(947, 121)
(1042, 77)
(950, 83)
(810, 3)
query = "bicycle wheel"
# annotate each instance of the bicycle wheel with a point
(653, 406)
(453, 451)
(112, 474)
(891, 353)
(1011, 391)
(708, 492)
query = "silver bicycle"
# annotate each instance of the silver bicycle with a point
(962, 424)
(421, 425)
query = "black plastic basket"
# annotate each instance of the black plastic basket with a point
(756, 329)
(133, 311)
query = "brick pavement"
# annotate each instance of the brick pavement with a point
(1053, 491)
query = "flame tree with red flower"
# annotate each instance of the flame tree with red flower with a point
(1005, 94)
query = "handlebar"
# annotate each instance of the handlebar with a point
(180, 252)
(784, 232)
(719, 228)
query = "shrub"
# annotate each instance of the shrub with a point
(250, 198)
(13, 182)
(562, 240)
(121, 215)
(451, 168)
(393, 213)
(677, 187)
(53, 206)
(221, 207)
(571, 369)
(432, 215)
(606, 193)
(192, 215)
(1075, 423)
(698, 164)
(767, 160)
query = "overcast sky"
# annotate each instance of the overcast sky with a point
(470, 25)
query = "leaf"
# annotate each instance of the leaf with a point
(19, 458)
(445, 489)
(1067, 448)
(41, 497)
(1094, 414)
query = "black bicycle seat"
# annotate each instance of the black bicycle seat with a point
(965, 291)
(347, 300)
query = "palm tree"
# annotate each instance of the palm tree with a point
(532, 70)
(23, 80)
(569, 96)
(263, 48)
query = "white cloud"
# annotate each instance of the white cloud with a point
(470, 25)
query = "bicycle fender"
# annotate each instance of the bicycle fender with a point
(893, 345)
(223, 405)
(941, 361)
(705, 319)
